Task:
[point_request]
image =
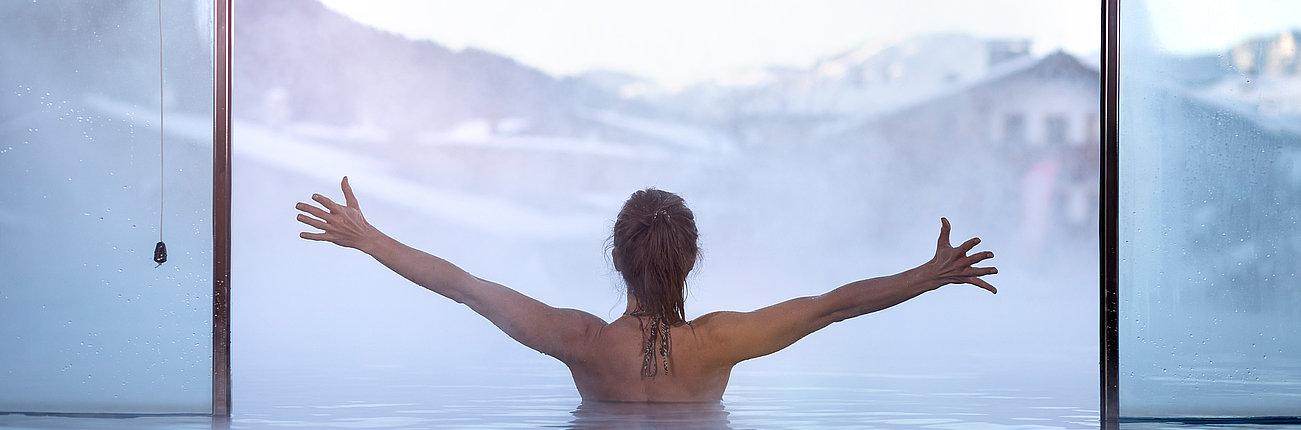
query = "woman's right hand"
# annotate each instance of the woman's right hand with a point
(342, 225)
(953, 266)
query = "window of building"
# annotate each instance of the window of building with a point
(1014, 128)
(1056, 130)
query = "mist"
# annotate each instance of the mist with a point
(795, 191)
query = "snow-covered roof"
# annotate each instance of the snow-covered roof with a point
(1057, 60)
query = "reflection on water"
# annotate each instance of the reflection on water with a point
(1187, 426)
(15, 421)
(710, 415)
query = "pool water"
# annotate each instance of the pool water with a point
(374, 397)
(525, 400)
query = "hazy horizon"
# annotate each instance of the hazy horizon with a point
(699, 47)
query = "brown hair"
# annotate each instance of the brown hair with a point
(654, 246)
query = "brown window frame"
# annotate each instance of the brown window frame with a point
(1108, 236)
(221, 175)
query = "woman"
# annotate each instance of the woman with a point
(651, 352)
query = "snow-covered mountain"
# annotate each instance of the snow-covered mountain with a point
(304, 66)
(861, 81)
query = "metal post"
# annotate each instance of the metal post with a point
(1109, 320)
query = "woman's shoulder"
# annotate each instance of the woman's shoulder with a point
(714, 319)
(711, 328)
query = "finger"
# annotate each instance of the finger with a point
(349, 198)
(315, 211)
(325, 201)
(314, 236)
(980, 271)
(966, 246)
(311, 221)
(976, 258)
(944, 233)
(981, 283)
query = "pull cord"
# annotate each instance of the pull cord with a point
(160, 249)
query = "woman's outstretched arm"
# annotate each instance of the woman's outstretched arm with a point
(560, 333)
(744, 335)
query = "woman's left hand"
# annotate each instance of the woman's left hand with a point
(952, 265)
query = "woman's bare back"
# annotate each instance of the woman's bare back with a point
(611, 369)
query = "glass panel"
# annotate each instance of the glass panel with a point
(817, 143)
(89, 323)
(1210, 199)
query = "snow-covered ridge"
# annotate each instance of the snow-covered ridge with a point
(873, 78)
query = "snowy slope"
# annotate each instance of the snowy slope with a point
(303, 158)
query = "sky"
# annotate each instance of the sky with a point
(677, 42)
(681, 41)
(1199, 26)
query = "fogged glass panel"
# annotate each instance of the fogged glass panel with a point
(817, 143)
(87, 322)
(1210, 200)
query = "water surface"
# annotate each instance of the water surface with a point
(402, 397)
